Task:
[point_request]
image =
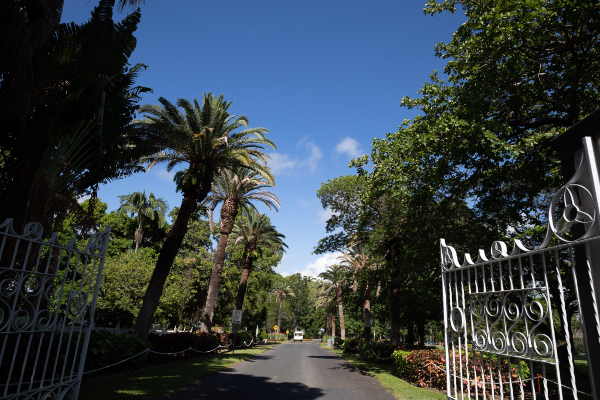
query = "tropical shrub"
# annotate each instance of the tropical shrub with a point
(325, 338)
(262, 335)
(338, 342)
(375, 352)
(225, 339)
(350, 345)
(243, 336)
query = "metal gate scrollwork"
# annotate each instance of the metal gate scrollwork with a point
(48, 294)
(507, 312)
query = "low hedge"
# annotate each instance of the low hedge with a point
(106, 348)
(375, 352)
(176, 342)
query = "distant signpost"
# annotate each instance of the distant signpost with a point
(236, 319)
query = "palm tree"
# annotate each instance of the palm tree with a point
(281, 291)
(324, 300)
(256, 234)
(138, 204)
(335, 279)
(235, 188)
(357, 259)
(203, 139)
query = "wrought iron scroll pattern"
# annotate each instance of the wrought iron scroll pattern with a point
(501, 307)
(48, 292)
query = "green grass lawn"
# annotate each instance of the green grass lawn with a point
(156, 383)
(384, 374)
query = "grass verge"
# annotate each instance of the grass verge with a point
(384, 374)
(159, 382)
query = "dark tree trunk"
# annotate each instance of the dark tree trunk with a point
(421, 329)
(329, 324)
(367, 312)
(392, 258)
(246, 266)
(167, 256)
(228, 213)
(338, 292)
(410, 337)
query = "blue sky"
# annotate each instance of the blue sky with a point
(325, 77)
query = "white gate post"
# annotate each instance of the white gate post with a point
(580, 144)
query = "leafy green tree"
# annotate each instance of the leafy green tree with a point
(302, 306)
(518, 75)
(334, 279)
(139, 205)
(124, 283)
(235, 189)
(344, 196)
(202, 138)
(256, 234)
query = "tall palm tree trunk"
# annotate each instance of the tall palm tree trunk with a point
(246, 266)
(333, 325)
(228, 213)
(166, 257)
(328, 324)
(367, 311)
(138, 236)
(338, 292)
(394, 296)
(280, 314)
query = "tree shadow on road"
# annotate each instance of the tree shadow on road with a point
(242, 386)
(344, 364)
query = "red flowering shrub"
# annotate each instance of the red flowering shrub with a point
(427, 368)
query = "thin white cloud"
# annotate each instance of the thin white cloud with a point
(282, 163)
(315, 155)
(286, 260)
(83, 198)
(324, 215)
(349, 146)
(320, 265)
(163, 174)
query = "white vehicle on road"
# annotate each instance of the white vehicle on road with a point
(298, 336)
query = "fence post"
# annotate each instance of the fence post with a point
(578, 145)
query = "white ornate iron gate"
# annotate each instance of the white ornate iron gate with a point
(507, 315)
(48, 295)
